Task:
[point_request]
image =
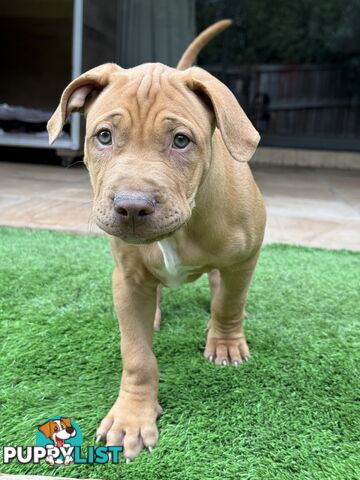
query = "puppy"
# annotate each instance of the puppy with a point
(167, 152)
(58, 431)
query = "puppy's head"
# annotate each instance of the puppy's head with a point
(58, 430)
(148, 142)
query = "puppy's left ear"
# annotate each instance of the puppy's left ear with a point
(239, 135)
(79, 94)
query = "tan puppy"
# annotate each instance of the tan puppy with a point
(167, 153)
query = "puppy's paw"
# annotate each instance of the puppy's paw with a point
(225, 351)
(131, 424)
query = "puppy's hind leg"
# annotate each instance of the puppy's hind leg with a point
(226, 342)
(214, 279)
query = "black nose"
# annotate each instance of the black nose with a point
(134, 205)
(69, 429)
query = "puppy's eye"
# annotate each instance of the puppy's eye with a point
(104, 137)
(181, 141)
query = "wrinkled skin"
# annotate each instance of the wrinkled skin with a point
(141, 157)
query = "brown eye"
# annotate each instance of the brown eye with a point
(56, 429)
(180, 141)
(104, 137)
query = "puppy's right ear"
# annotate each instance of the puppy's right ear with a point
(77, 94)
(45, 429)
(238, 133)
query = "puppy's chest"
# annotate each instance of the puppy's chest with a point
(173, 271)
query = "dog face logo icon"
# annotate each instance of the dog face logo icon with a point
(58, 430)
(59, 435)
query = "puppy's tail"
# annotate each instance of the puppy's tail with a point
(199, 43)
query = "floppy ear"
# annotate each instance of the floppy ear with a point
(67, 421)
(79, 93)
(46, 429)
(239, 135)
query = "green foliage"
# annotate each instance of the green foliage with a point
(283, 31)
(291, 412)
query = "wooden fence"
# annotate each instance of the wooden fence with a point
(297, 100)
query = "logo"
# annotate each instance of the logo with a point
(59, 442)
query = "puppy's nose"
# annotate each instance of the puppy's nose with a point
(69, 429)
(134, 205)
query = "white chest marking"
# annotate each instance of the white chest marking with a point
(171, 259)
(175, 273)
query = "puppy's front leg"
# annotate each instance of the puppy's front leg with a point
(226, 342)
(131, 422)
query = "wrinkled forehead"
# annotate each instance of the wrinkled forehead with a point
(150, 89)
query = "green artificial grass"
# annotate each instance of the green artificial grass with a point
(291, 412)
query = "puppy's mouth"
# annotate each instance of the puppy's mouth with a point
(144, 227)
(59, 441)
(140, 236)
(145, 240)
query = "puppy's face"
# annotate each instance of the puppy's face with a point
(58, 430)
(148, 142)
(147, 148)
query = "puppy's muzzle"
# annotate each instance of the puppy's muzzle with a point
(133, 208)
